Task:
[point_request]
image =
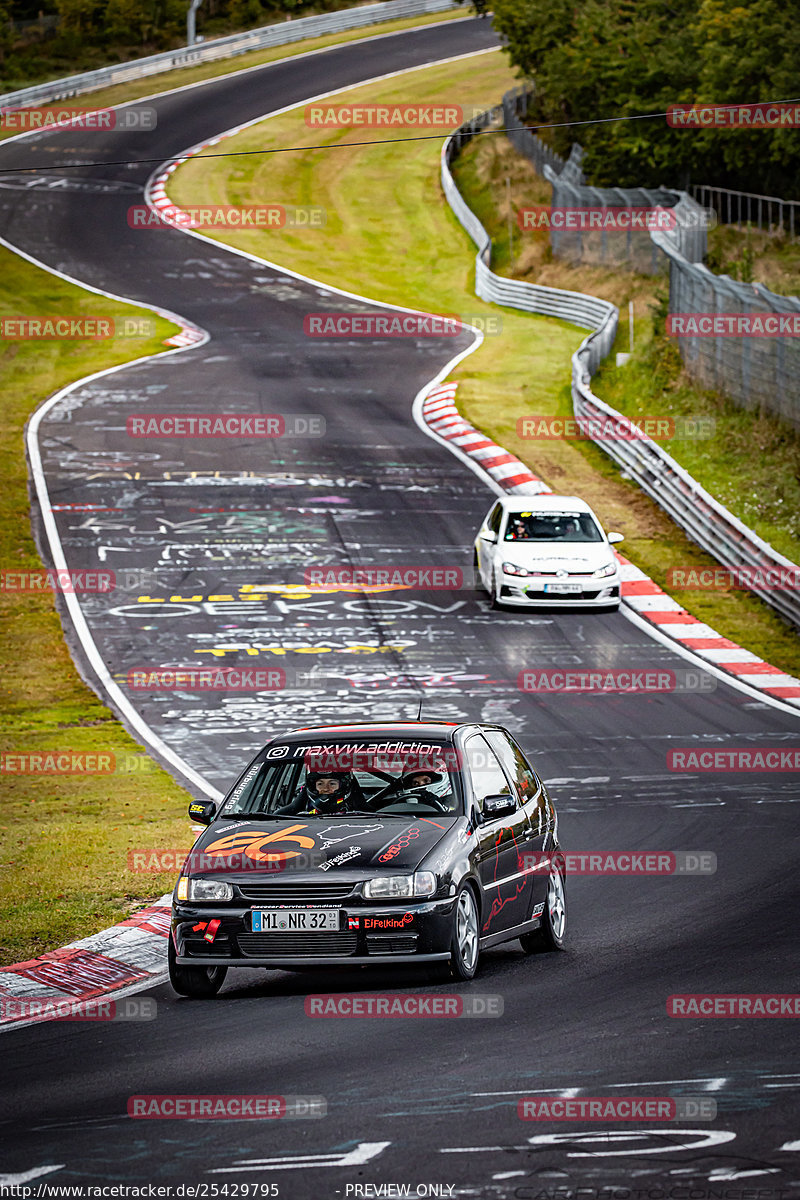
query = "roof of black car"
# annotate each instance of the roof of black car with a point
(405, 729)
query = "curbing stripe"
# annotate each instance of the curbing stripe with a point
(110, 964)
(640, 594)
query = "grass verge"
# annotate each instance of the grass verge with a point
(63, 839)
(389, 235)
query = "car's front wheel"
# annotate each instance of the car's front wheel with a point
(198, 982)
(477, 582)
(552, 932)
(494, 592)
(464, 950)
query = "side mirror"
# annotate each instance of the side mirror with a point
(489, 536)
(203, 811)
(616, 537)
(498, 806)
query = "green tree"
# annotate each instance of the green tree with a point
(630, 59)
(80, 16)
(5, 27)
(750, 53)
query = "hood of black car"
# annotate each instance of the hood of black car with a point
(285, 846)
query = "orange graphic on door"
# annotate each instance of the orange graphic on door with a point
(246, 842)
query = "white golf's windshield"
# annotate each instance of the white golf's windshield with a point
(354, 778)
(552, 527)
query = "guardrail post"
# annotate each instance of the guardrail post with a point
(191, 36)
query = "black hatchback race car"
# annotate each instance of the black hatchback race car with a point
(370, 844)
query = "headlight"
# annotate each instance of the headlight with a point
(203, 889)
(400, 887)
(513, 569)
(608, 569)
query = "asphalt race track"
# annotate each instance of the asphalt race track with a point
(223, 528)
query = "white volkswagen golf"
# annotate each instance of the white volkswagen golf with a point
(545, 550)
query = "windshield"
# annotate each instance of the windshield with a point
(348, 778)
(552, 527)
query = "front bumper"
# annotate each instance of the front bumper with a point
(527, 593)
(367, 936)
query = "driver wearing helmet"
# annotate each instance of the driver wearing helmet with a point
(325, 793)
(426, 786)
(419, 779)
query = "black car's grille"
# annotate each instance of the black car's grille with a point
(401, 943)
(318, 944)
(322, 892)
(198, 948)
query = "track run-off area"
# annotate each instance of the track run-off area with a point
(224, 530)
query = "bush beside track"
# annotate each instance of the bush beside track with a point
(385, 216)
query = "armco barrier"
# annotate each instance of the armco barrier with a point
(706, 521)
(586, 311)
(227, 47)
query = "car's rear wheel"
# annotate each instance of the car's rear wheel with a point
(197, 982)
(552, 932)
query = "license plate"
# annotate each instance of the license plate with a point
(563, 588)
(286, 920)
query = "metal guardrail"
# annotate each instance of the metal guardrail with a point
(579, 309)
(570, 190)
(227, 47)
(753, 371)
(749, 208)
(704, 519)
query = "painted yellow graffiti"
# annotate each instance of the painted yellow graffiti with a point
(286, 591)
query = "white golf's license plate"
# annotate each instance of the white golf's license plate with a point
(287, 920)
(563, 588)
